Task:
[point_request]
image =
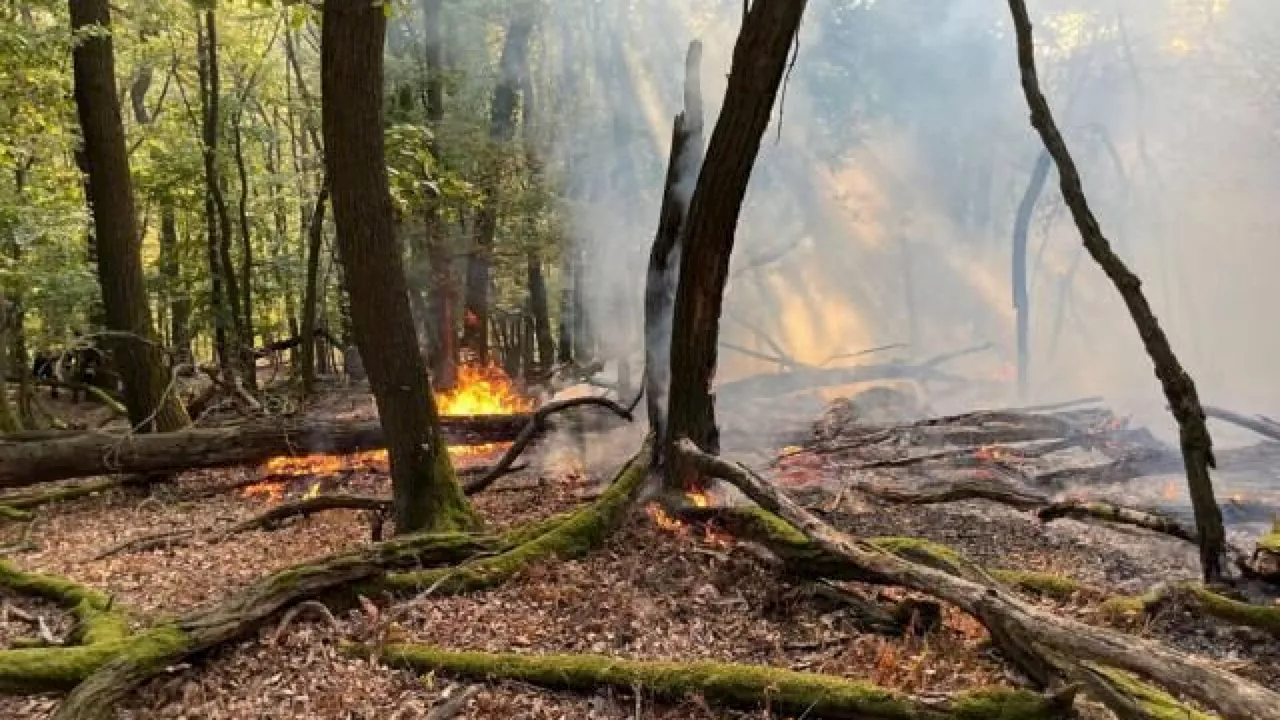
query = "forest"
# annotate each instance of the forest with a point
(630, 359)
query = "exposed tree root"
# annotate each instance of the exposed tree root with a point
(116, 670)
(532, 430)
(564, 538)
(110, 671)
(1114, 513)
(35, 498)
(955, 492)
(1049, 648)
(744, 686)
(1197, 599)
(264, 520)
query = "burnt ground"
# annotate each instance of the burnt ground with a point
(649, 593)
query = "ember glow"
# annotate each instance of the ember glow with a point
(697, 497)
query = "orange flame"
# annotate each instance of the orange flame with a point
(662, 519)
(990, 453)
(1169, 491)
(482, 391)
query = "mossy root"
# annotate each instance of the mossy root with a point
(744, 686)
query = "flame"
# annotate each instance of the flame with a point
(1169, 491)
(482, 391)
(990, 453)
(662, 519)
(698, 498)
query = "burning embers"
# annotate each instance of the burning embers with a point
(480, 391)
(698, 498)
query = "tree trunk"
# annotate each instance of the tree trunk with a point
(443, 295)
(246, 260)
(759, 58)
(425, 492)
(1179, 388)
(227, 315)
(9, 420)
(85, 454)
(664, 257)
(148, 396)
(1021, 299)
(565, 353)
(310, 298)
(502, 129)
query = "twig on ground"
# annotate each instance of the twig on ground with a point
(314, 607)
(454, 704)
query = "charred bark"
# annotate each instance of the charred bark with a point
(148, 396)
(664, 257)
(760, 55)
(1178, 386)
(426, 493)
(502, 129)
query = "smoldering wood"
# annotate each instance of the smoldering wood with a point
(1048, 647)
(24, 464)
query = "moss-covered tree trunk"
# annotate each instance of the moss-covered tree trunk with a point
(1179, 388)
(151, 404)
(502, 129)
(759, 58)
(425, 492)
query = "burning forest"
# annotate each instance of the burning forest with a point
(658, 360)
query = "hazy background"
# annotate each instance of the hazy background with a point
(892, 178)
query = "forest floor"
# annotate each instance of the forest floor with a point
(649, 593)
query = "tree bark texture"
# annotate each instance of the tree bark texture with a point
(1179, 388)
(759, 58)
(502, 129)
(151, 403)
(425, 492)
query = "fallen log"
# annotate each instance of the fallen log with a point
(1047, 647)
(1265, 427)
(744, 686)
(23, 464)
(801, 379)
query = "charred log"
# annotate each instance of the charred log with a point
(23, 464)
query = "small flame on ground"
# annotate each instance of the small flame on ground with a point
(483, 390)
(990, 453)
(1169, 491)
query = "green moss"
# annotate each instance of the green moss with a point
(1262, 617)
(1271, 541)
(156, 647)
(748, 686)
(931, 554)
(67, 593)
(1158, 704)
(38, 670)
(1051, 585)
(572, 537)
(94, 625)
(14, 514)
(1002, 704)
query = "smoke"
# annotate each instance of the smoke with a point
(882, 203)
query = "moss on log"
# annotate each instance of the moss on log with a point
(745, 686)
(1050, 585)
(1151, 703)
(8, 512)
(1198, 599)
(569, 537)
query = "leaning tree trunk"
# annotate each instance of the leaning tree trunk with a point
(1021, 298)
(664, 256)
(759, 58)
(502, 129)
(1179, 388)
(425, 492)
(148, 395)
